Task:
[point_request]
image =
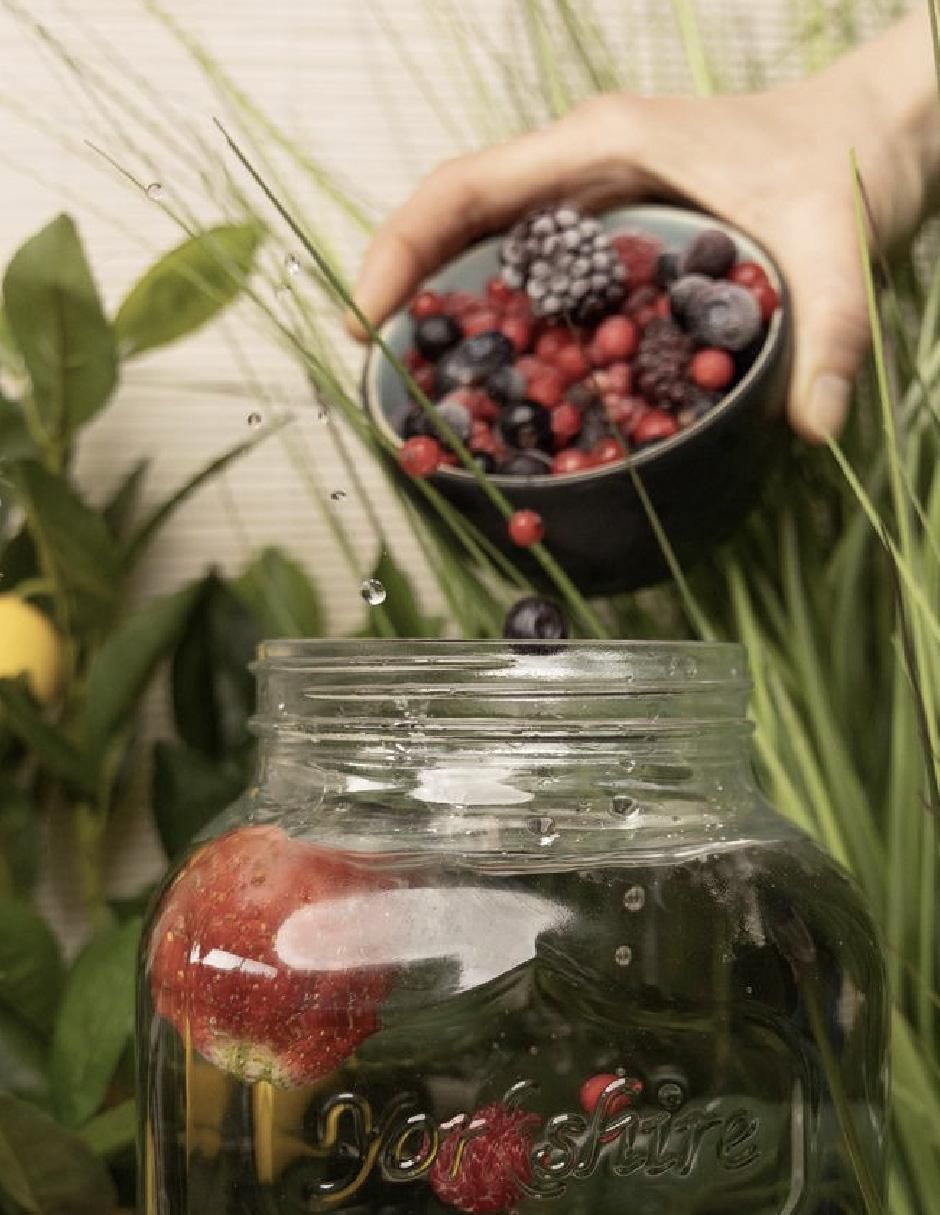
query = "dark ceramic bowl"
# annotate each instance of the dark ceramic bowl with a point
(701, 482)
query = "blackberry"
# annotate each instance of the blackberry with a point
(535, 619)
(525, 425)
(712, 253)
(566, 264)
(435, 335)
(662, 362)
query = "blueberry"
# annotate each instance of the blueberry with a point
(526, 464)
(725, 315)
(435, 335)
(667, 269)
(457, 417)
(506, 384)
(682, 293)
(535, 619)
(525, 425)
(713, 253)
(473, 361)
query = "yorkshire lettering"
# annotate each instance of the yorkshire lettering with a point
(403, 1142)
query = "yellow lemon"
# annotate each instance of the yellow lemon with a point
(29, 645)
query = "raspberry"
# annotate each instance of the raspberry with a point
(426, 303)
(419, 456)
(767, 300)
(712, 369)
(747, 274)
(654, 426)
(615, 340)
(638, 255)
(526, 528)
(483, 1162)
(572, 460)
(566, 421)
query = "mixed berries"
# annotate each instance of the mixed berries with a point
(586, 347)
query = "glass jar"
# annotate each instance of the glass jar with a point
(508, 929)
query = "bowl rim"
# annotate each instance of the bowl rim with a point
(774, 340)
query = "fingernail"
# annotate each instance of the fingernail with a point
(373, 278)
(828, 405)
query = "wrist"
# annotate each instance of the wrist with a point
(886, 95)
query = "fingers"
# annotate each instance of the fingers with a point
(832, 339)
(484, 192)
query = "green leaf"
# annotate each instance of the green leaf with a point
(120, 507)
(95, 1022)
(187, 287)
(112, 1131)
(22, 1061)
(122, 668)
(31, 971)
(72, 538)
(280, 596)
(15, 440)
(58, 323)
(148, 529)
(51, 748)
(189, 790)
(213, 691)
(19, 836)
(18, 559)
(47, 1171)
(10, 355)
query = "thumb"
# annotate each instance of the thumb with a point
(832, 339)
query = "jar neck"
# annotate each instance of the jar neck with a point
(482, 725)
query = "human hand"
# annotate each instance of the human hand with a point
(774, 164)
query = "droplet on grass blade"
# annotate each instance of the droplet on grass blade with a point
(373, 592)
(254, 419)
(156, 191)
(338, 495)
(292, 265)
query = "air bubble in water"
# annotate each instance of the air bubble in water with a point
(634, 899)
(292, 265)
(373, 592)
(338, 495)
(543, 827)
(254, 419)
(623, 955)
(670, 1095)
(156, 191)
(623, 806)
(583, 805)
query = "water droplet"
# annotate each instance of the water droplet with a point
(254, 419)
(623, 955)
(583, 805)
(634, 899)
(323, 413)
(156, 191)
(338, 495)
(373, 592)
(670, 1095)
(292, 265)
(623, 806)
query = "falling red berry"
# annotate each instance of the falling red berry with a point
(526, 528)
(747, 274)
(419, 456)
(592, 1091)
(712, 369)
